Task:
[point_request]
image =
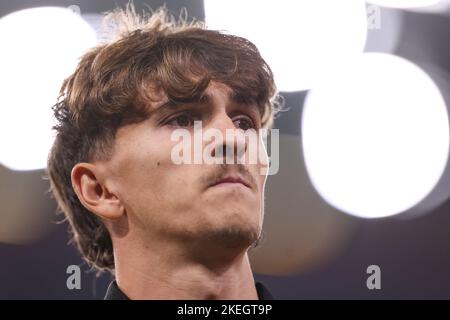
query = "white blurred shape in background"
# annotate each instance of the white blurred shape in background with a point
(405, 3)
(375, 136)
(40, 48)
(300, 40)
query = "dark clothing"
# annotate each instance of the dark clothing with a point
(114, 292)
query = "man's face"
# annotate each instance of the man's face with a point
(179, 202)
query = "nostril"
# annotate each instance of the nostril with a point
(224, 150)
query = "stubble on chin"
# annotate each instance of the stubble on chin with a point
(232, 236)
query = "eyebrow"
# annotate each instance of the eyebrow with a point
(205, 99)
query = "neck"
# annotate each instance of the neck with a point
(170, 271)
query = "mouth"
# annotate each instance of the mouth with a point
(232, 181)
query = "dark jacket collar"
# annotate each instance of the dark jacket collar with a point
(114, 292)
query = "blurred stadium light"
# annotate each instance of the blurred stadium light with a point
(376, 136)
(406, 3)
(40, 48)
(301, 40)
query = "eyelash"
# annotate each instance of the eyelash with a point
(250, 121)
(252, 124)
(191, 117)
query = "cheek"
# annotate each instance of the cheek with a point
(155, 183)
(142, 163)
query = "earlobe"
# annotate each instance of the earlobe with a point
(93, 194)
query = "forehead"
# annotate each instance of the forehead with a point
(215, 92)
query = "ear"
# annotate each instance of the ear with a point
(93, 194)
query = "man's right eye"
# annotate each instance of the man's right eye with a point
(182, 120)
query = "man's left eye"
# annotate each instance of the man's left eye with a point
(244, 124)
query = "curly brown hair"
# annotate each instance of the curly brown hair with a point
(110, 88)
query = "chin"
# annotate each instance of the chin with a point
(235, 233)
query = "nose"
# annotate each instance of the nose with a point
(233, 145)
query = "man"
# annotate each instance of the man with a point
(165, 230)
